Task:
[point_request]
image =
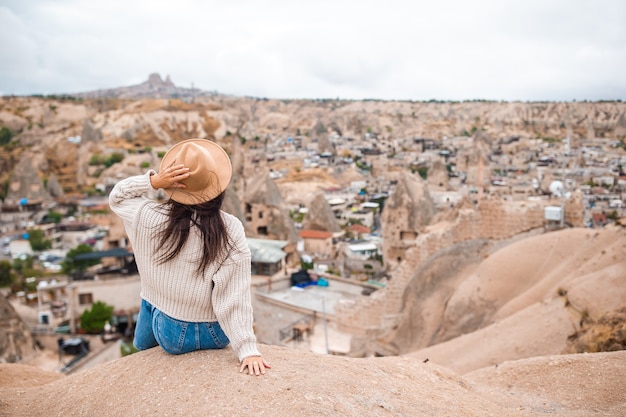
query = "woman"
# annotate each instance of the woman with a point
(193, 258)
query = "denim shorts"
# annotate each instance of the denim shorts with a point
(155, 328)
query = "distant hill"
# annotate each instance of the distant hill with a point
(153, 87)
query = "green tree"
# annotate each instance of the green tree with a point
(112, 159)
(93, 320)
(23, 270)
(6, 135)
(37, 240)
(4, 187)
(306, 265)
(24, 267)
(95, 160)
(55, 216)
(71, 265)
(6, 277)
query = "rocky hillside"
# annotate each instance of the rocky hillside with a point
(76, 140)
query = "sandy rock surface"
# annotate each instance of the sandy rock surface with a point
(306, 384)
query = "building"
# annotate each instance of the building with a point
(317, 243)
(268, 256)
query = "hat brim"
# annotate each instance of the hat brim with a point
(213, 189)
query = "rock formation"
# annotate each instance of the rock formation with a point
(54, 188)
(232, 205)
(407, 211)
(90, 133)
(475, 161)
(265, 212)
(16, 341)
(438, 176)
(320, 216)
(25, 183)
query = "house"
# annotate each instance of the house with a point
(65, 301)
(355, 215)
(317, 243)
(363, 250)
(51, 233)
(359, 231)
(76, 233)
(599, 219)
(268, 256)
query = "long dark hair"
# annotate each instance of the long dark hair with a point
(207, 218)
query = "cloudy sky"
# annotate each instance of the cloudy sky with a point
(390, 49)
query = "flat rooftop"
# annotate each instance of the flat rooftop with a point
(316, 298)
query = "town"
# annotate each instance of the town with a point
(339, 223)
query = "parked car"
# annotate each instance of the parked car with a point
(73, 346)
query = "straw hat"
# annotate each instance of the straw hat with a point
(209, 166)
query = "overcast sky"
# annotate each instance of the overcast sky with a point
(388, 49)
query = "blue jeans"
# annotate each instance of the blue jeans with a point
(174, 336)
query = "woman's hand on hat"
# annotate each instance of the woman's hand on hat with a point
(170, 177)
(256, 365)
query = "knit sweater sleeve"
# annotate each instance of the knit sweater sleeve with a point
(128, 193)
(231, 297)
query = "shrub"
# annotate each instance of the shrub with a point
(95, 160)
(6, 135)
(37, 241)
(71, 264)
(55, 216)
(604, 334)
(6, 277)
(114, 158)
(93, 320)
(127, 348)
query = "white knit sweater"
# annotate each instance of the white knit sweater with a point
(222, 294)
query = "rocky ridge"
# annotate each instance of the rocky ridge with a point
(306, 384)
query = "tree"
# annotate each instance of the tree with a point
(112, 159)
(6, 277)
(55, 216)
(70, 264)
(93, 320)
(37, 241)
(24, 266)
(6, 135)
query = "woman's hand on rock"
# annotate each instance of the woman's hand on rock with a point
(256, 365)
